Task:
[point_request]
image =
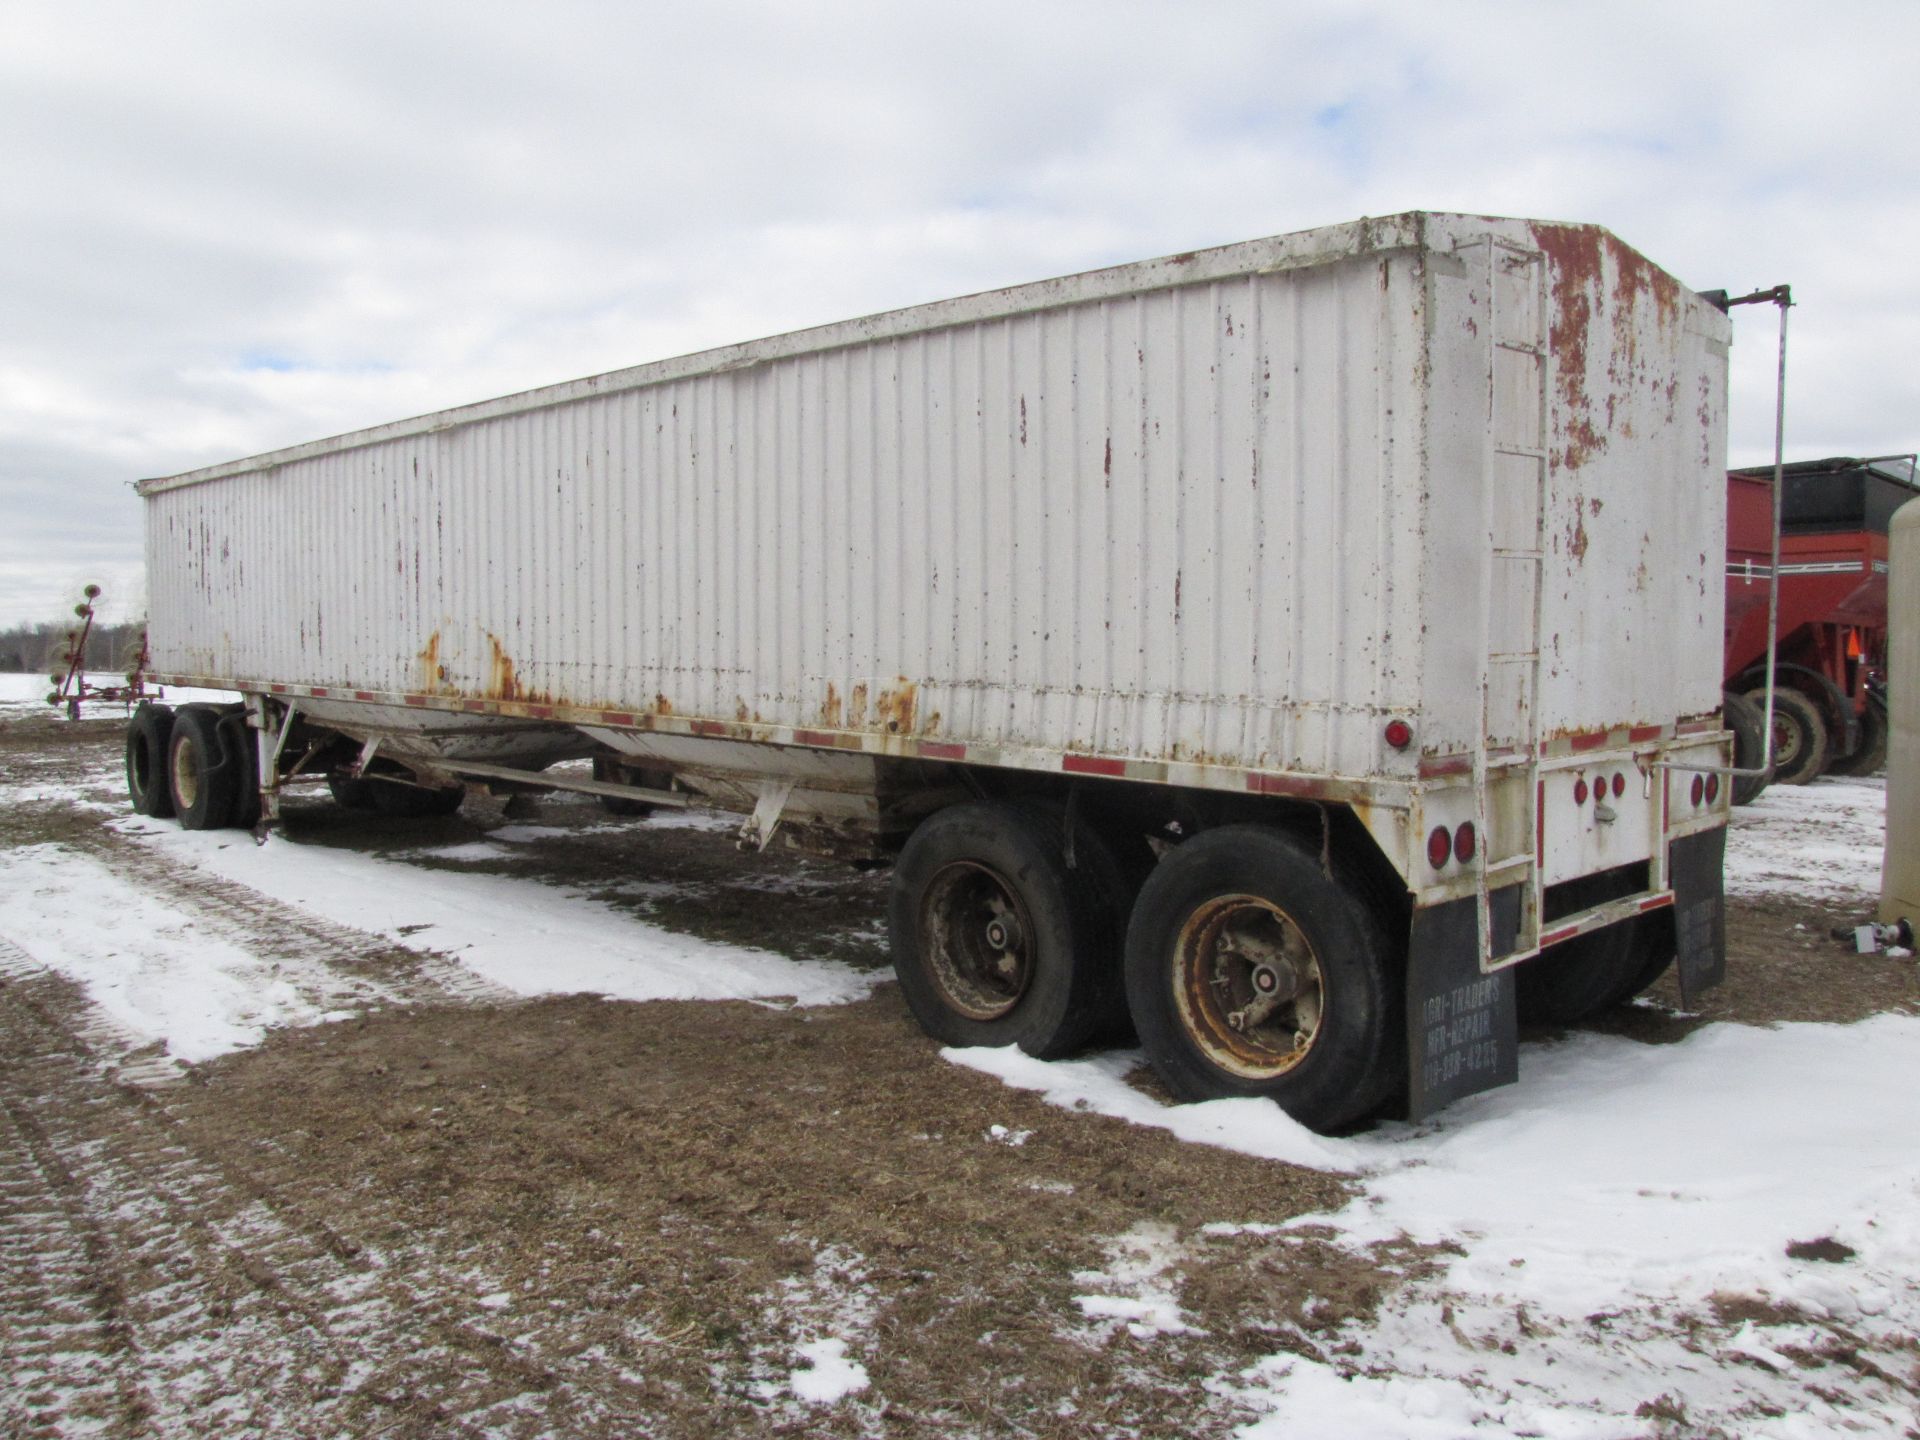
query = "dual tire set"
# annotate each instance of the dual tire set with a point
(1244, 966)
(197, 764)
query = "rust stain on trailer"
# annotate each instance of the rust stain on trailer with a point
(830, 709)
(432, 672)
(662, 705)
(1577, 261)
(857, 705)
(502, 682)
(1604, 292)
(1577, 534)
(896, 705)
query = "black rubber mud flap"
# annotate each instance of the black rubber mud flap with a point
(1463, 1031)
(1696, 866)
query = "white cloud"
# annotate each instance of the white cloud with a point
(226, 227)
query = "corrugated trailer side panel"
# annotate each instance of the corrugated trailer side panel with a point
(1179, 524)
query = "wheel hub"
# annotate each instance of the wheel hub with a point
(186, 774)
(1249, 986)
(975, 930)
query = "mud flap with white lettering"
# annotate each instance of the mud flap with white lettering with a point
(1696, 867)
(1463, 1031)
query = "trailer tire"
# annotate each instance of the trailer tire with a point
(1206, 932)
(1109, 867)
(1655, 948)
(1799, 736)
(1749, 729)
(610, 769)
(148, 732)
(242, 741)
(995, 940)
(399, 801)
(201, 772)
(1590, 974)
(1872, 754)
(350, 792)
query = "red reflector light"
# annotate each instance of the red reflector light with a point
(1699, 789)
(1580, 791)
(1619, 784)
(1463, 843)
(1399, 734)
(1439, 847)
(1713, 788)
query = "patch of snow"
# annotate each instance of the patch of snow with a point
(526, 834)
(1821, 841)
(84, 796)
(158, 973)
(1604, 1206)
(689, 820)
(1134, 1291)
(527, 937)
(828, 1308)
(1098, 1083)
(828, 1375)
(1001, 1135)
(472, 852)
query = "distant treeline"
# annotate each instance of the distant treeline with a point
(42, 649)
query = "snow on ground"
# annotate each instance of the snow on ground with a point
(160, 974)
(32, 690)
(524, 936)
(1624, 1214)
(1818, 841)
(1602, 1205)
(831, 1310)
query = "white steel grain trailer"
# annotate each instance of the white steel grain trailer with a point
(1281, 648)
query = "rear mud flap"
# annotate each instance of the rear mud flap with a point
(1463, 1031)
(1696, 867)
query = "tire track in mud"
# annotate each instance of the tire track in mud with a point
(149, 1285)
(328, 963)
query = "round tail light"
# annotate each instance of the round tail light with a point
(1580, 791)
(1713, 788)
(1699, 789)
(1439, 847)
(1464, 843)
(1619, 784)
(1399, 734)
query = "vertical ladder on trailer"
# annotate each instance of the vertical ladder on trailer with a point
(1514, 521)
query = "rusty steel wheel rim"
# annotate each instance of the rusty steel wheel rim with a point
(978, 939)
(1249, 987)
(186, 775)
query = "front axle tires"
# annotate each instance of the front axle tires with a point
(148, 735)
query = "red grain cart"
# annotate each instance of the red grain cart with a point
(1830, 711)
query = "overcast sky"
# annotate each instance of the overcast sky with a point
(225, 228)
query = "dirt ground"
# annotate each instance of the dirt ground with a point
(573, 1216)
